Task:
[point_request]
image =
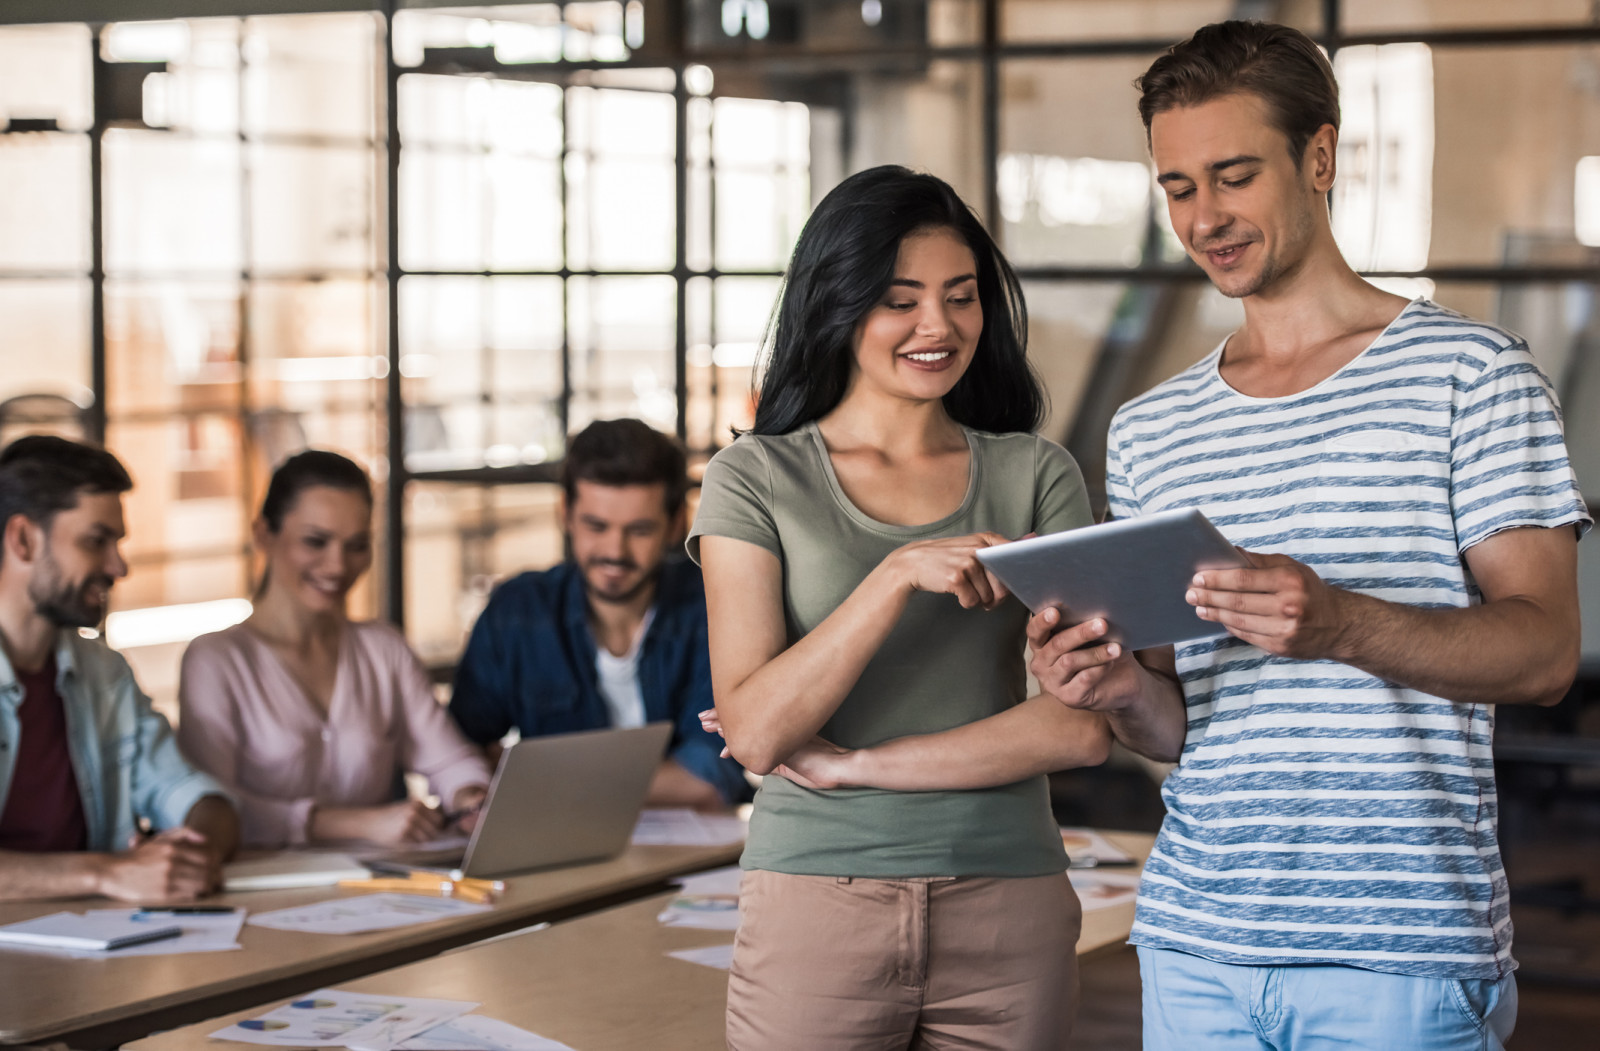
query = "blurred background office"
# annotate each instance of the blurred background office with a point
(440, 238)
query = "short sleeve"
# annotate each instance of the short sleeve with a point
(736, 499)
(1121, 501)
(1061, 501)
(1508, 459)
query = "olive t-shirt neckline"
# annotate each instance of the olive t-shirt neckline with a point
(974, 471)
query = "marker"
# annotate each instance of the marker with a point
(188, 910)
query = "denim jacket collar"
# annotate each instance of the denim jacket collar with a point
(66, 665)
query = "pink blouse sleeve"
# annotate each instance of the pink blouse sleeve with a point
(209, 737)
(432, 744)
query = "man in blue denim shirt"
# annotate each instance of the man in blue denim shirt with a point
(82, 755)
(617, 636)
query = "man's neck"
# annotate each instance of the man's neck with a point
(1320, 299)
(616, 624)
(28, 639)
(1308, 325)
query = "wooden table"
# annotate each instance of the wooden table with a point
(602, 982)
(104, 1003)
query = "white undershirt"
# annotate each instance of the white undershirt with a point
(619, 680)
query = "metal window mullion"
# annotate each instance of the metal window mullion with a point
(680, 251)
(394, 408)
(991, 120)
(97, 260)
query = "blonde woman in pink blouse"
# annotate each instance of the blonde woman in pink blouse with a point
(310, 718)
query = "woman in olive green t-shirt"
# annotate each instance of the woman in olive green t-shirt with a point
(893, 439)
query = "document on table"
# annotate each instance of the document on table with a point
(331, 1018)
(686, 828)
(718, 956)
(363, 913)
(1098, 889)
(477, 1033)
(706, 901)
(1089, 849)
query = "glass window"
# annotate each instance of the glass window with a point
(1070, 20)
(932, 122)
(185, 510)
(620, 180)
(312, 75)
(172, 347)
(45, 352)
(44, 75)
(1511, 126)
(199, 92)
(762, 153)
(1389, 15)
(1075, 184)
(171, 203)
(460, 541)
(743, 306)
(1383, 198)
(311, 208)
(831, 25)
(481, 367)
(316, 376)
(621, 331)
(44, 211)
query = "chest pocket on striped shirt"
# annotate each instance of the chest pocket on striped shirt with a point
(1391, 478)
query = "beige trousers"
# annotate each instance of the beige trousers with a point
(823, 963)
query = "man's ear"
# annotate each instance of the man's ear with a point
(1321, 160)
(23, 540)
(562, 511)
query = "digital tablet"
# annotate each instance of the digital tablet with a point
(1133, 572)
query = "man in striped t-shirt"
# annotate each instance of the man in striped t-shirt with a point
(1328, 873)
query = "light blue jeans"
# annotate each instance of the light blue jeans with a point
(1194, 1004)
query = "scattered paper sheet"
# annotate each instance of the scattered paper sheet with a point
(202, 932)
(687, 828)
(331, 1018)
(706, 912)
(718, 956)
(1089, 849)
(707, 901)
(477, 1033)
(396, 1027)
(1099, 889)
(365, 912)
(713, 881)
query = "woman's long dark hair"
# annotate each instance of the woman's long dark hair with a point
(841, 269)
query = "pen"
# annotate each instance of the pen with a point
(188, 910)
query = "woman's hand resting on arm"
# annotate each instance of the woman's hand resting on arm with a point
(774, 697)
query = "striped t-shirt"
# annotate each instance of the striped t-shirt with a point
(1320, 814)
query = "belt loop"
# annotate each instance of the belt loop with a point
(843, 881)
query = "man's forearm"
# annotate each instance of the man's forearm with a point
(214, 818)
(1507, 652)
(74, 875)
(674, 786)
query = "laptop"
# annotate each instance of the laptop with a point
(556, 800)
